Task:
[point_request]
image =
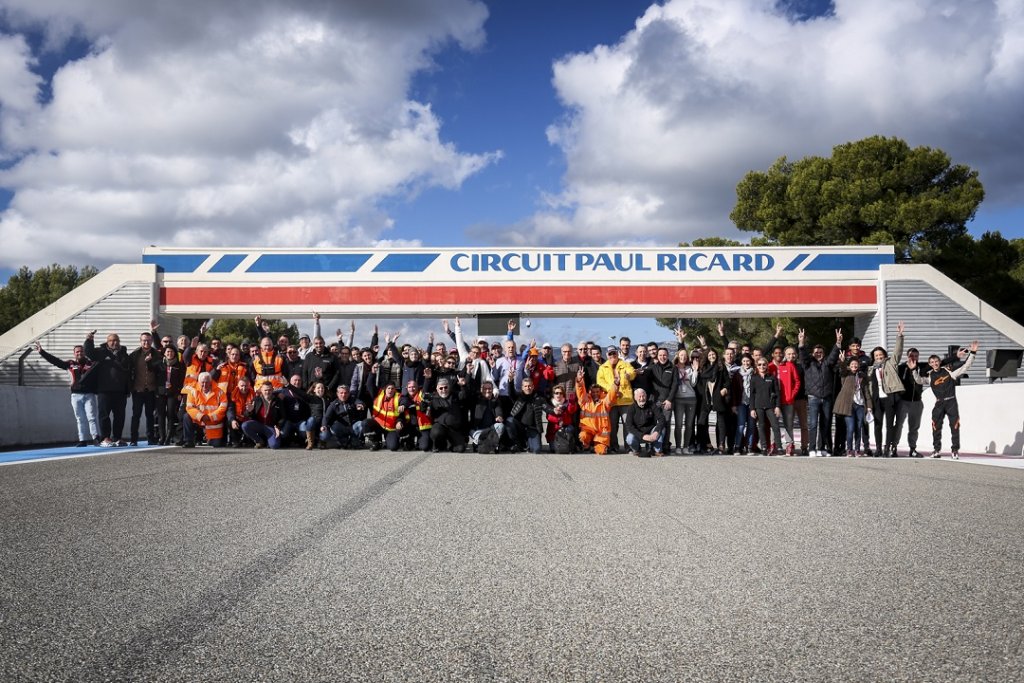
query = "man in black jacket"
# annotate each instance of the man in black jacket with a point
(320, 365)
(525, 422)
(910, 407)
(143, 364)
(644, 425)
(83, 392)
(819, 382)
(113, 374)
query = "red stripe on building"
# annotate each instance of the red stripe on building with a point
(517, 297)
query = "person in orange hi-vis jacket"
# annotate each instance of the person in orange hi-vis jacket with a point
(207, 407)
(595, 413)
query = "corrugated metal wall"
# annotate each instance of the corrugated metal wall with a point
(932, 322)
(126, 310)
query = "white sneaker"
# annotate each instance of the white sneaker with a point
(936, 454)
(814, 454)
(955, 455)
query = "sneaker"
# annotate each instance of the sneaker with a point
(122, 443)
(936, 454)
(914, 454)
(187, 444)
(133, 443)
(634, 453)
(790, 451)
(955, 455)
(106, 443)
(659, 454)
(81, 444)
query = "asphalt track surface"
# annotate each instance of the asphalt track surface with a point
(198, 565)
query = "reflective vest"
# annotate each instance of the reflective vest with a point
(422, 418)
(269, 370)
(194, 369)
(386, 412)
(595, 416)
(214, 405)
(240, 402)
(229, 376)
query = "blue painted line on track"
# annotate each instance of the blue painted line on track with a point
(36, 454)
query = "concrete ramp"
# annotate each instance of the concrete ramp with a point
(121, 298)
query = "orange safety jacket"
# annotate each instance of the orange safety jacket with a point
(269, 369)
(240, 401)
(194, 368)
(595, 416)
(423, 420)
(386, 412)
(213, 405)
(229, 376)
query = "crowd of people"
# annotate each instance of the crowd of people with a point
(705, 397)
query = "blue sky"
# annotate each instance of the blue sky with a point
(460, 122)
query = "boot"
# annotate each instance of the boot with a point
(310, 440)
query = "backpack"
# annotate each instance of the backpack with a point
(488, 442)
(565, 441)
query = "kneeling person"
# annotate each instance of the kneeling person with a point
(644, 426)
(206, 407)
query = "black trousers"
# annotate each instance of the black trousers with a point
(111, 406)
(144, 404)
(948, 409)
(166, 415)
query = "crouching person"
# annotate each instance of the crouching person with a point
(595, 414)
(343, 419)
(526, 418)
(264, 419)
(561, 417)
(385, 420)
(487, 421)
(445, 409)
(240, 405)
(644, 426)
(206, 407)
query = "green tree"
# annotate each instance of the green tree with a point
(757, 331)
(873, 191)
(237, 330)
(27, 292)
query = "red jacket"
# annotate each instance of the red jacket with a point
(556, 422)
(789, 383)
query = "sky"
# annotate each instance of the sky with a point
(470, 123)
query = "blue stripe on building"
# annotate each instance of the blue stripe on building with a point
(850, 261)
(175, 263)
(795, 263)
(405, 263)
(308, 263)
(227, 263)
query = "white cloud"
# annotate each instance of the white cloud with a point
(198, 123)
(662, 125)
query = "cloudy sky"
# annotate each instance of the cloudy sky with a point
(461, 122)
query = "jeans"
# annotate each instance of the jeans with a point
(346, 434)
(819, 423)
(788, 412)
(310, 423)
(744, 427)
(521, 435)
(635, 444)
(474, 436)
(257, 432)
(84, 407)
(854, 428)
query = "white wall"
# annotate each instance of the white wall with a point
(36, 415)
(991, 420)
